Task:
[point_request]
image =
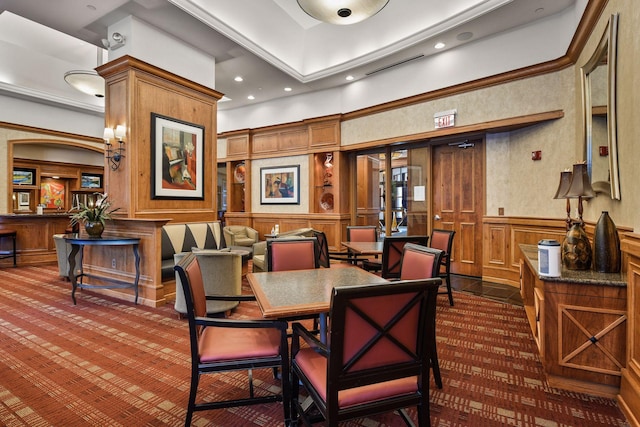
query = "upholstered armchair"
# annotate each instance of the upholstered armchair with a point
(63, 249)
(240, 235)
(222, 275)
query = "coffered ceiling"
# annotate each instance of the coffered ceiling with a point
(272, 44)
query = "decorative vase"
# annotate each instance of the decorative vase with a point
(576, 249)
(606, 245)
(94, 228)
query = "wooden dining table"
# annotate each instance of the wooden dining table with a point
(362, 249)
(291, 294)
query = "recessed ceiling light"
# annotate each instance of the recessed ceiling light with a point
(439, 45)
(287, 89)
(251, 97)
(540, 10)
(464, 36)
(238, 78)
(349, 78)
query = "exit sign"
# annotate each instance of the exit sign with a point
(444, 119)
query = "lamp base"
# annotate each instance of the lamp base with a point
(576, 249)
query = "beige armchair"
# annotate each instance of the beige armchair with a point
(222, 275)
(63, 249)
(240, 235)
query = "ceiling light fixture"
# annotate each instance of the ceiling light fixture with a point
(349, 78)
(87, 81)
(343, 12)
(238, 78)
(439, 45)
(287, 89)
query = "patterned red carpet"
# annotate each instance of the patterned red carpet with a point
(109, 363)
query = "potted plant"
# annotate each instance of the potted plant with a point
(93, 215)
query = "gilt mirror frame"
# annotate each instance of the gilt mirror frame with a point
(605, 51)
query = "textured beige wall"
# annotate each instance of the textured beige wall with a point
(514, 182)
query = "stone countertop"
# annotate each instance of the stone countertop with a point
(588, 277)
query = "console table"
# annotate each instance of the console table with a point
(77, 245)
(579, 322)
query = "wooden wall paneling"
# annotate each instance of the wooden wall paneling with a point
(238, 146)
(325, 133)
(293, 139)
(265, 143)
(135, 90)
(332, 229)
(629, 397)
(34, 237)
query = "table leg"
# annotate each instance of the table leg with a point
(72, 269)
(322, 323)
(136, 254)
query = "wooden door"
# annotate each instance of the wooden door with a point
(458, 195)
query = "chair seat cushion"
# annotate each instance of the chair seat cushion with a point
(314, 366)
(218, 343)
(244, 241)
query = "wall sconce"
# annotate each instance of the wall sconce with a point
(114, 155)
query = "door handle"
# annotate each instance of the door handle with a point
(437, 217)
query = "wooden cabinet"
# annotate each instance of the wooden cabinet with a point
(57, 186)
(579, 322)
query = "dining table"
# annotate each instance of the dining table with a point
(291, 294)
(362, 249)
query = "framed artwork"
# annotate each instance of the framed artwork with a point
(177, 159)
(23, 201)
(52, 193)
(24, 176)
(280, 185)
(90, 180)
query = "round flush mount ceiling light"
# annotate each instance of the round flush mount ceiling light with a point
(343, 12)
(87, 81)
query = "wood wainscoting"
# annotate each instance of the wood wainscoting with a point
(502, 237)
(629, 397)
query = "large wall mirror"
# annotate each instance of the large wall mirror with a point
(599, 106)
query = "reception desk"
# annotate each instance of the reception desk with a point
(34, 239)
(579, 322)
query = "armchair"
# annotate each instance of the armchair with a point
(378, 358)
(240, 235)
(63, 249)
(220, 345)
(222, 275)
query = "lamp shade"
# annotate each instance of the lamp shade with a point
(565, 183)
(342, 12)
(580, 183)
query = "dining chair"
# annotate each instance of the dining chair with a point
(421, 262)
(219, 345)
(285, 254)
(377, 357)
(391, 260)
(443, 240)
(360, 233)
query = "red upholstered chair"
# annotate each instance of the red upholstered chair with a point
(292, 254)
(391, 260)
(377, 360)
(421, 262)
(219, 345)
(443, 240)
(361, 233)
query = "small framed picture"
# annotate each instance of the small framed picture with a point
(24, 176)
(91, 180)
(23, 201)
(280, 185)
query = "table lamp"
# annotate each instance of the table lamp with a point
(576, 247)
(563, 188)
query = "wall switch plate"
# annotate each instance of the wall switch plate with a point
(113, 263)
